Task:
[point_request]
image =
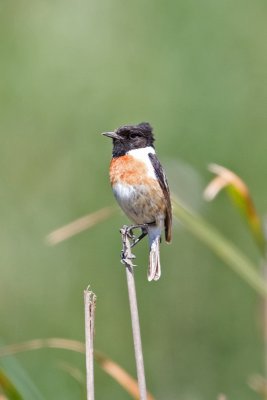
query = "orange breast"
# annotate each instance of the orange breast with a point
(148, 203)
(126, 169)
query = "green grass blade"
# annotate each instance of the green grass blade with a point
(25, 388)
(241, 197)
(224, 249)
(8, 388)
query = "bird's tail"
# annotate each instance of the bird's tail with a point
(154, 269)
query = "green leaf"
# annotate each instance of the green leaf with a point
(240, 195)
(8, 388)
(20, 379)
(222, 247)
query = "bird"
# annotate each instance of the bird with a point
(141, 188)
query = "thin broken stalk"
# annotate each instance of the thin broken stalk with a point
(127, 258)
(89, 309)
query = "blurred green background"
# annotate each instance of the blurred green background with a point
(197, 71)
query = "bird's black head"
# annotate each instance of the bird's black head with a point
(130, 137)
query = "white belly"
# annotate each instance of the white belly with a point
(137, 204)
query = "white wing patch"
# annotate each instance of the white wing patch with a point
(142, 155)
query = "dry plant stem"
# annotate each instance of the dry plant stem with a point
(89, 309)
(222, 397)
(127, 258)
(109, 366)
(79, 225)
(258, 384)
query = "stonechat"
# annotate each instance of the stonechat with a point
(140, 187)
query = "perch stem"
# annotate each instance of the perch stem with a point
(127, 260)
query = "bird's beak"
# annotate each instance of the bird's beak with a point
(112, 135)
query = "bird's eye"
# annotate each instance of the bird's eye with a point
(133, 135)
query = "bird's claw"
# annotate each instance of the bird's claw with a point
(129, 232)
(126, 258)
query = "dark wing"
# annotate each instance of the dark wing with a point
(160, 174)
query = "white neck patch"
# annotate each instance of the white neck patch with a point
(143, 152)
(142, 155)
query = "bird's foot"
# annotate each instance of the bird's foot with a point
(129, 231)
(126, 254)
